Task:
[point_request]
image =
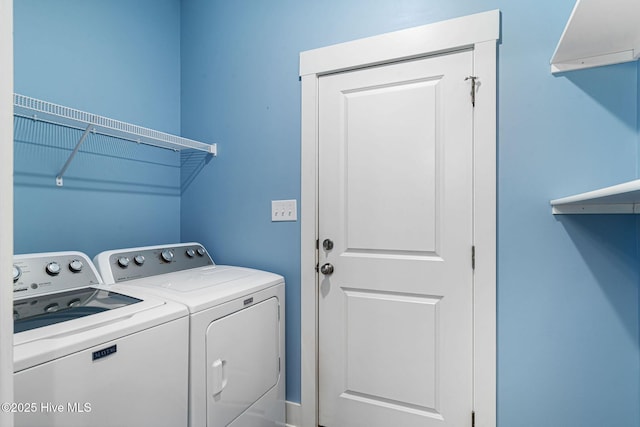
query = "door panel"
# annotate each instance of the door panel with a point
(395, 197)
(386, 163)
(387, 345)
(243, 361)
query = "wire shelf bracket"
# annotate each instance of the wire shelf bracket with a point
(36, 109)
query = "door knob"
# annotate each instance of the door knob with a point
(327, 244)
(326, 269)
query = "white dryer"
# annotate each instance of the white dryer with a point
(237, 341)
(85, 355)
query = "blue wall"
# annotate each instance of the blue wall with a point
(119, 59)
(568, 286)
(568, 335)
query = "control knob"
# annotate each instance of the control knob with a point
(53, 268)
(52, 308)
(139, 259)
(123, 262)
(16, 273)
(76, 266)
(167, 255)
(191, 253)
(201, 251)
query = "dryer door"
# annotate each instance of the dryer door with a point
(243, 361)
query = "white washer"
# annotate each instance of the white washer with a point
(237, 341)
(87, 356)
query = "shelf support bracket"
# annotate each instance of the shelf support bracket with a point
(59, 181)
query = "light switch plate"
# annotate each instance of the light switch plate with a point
(284, 210)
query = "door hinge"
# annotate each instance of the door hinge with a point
(473, 418)
(473, 89)
(317, 244)
(473, 257)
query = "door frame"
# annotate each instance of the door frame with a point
(6, 208)
(480, 32)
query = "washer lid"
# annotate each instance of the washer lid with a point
(49, 342)
(44, 310)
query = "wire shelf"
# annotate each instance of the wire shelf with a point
(37, 109)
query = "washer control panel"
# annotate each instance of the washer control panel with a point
(136, 263)
(44, 273)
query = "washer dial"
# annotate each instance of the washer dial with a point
(76, 266)
(52, 308)
(16, 273)
(53, 268)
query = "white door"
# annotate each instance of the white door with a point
(395, 199)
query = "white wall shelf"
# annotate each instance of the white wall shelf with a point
(617, 199)
(32, 108)
(599, 33)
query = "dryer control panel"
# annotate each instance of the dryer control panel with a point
(136, 263)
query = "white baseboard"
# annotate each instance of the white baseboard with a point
(294, 414)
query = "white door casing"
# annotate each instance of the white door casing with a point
(6, 207)
(395, 200)
(479, 33)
